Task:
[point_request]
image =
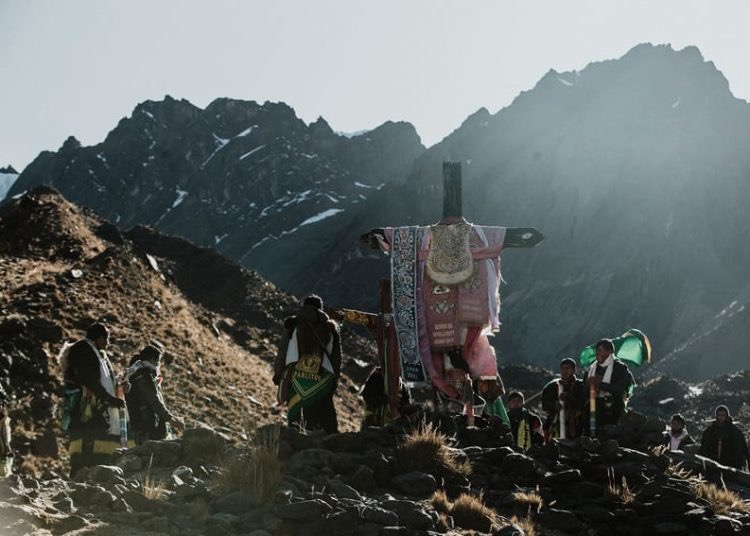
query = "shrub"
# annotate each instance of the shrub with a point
(427, 449)
(469, 511)
(721, 499)
(525, 523)
(531, 500)
(440, 502)
(152, 488)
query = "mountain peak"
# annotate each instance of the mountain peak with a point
(70, 144)
(10, 170)
(665, 50)
(320, 126)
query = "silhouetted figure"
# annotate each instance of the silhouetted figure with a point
(91, 415)
(723, 441)
(6, 451)
(525, 425)
(612, 382)
(149, 416)
(308, 365)
(378, 403)
(564, 396)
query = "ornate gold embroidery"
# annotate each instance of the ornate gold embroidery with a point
(309, 364)
(442, 306)
(449, 261)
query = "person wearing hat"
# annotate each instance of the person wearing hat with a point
(149, 416)
(564, 396)
(525, 425)
(723, 441)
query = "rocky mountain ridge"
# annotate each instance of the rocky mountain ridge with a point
(634, 168)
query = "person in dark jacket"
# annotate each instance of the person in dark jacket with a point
(149, 416)
(6, 451)
(92, 418)
(378, 403)
(525, 425)
(723, 441)
(307, 367)
(677, 437)
(612, 383)
(566, 394)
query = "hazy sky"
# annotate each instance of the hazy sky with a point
(77, 67)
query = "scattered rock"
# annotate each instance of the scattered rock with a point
(415, 483)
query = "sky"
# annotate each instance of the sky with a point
(77, 67)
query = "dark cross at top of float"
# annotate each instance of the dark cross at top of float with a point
(515, 237)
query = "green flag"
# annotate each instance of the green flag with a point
(633, 347)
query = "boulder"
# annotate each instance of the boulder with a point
(102, 474)
(381, 516)
(410, 514)
(562, 520)
(342, 490)
(309, 510)
(415, 483)
(235, 503)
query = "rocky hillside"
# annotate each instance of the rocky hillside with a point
(64, 267)
(235, 472)
(404, 479)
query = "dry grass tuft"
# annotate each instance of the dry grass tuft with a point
(440, 502)
(258, 474)
(152, 488)
(676, 470)
(658, 450)
(426, 449)
(468, 511)
(529, 499)
(526, 524)
(619, 492)
(445, 523)
(722, 500)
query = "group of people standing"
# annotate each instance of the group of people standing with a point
(308, 365)
(102, 411)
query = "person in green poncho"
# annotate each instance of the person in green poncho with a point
(307, 367)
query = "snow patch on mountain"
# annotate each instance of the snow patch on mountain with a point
(220, 144)
(322, 216)
(252, 152)
(313, 219)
